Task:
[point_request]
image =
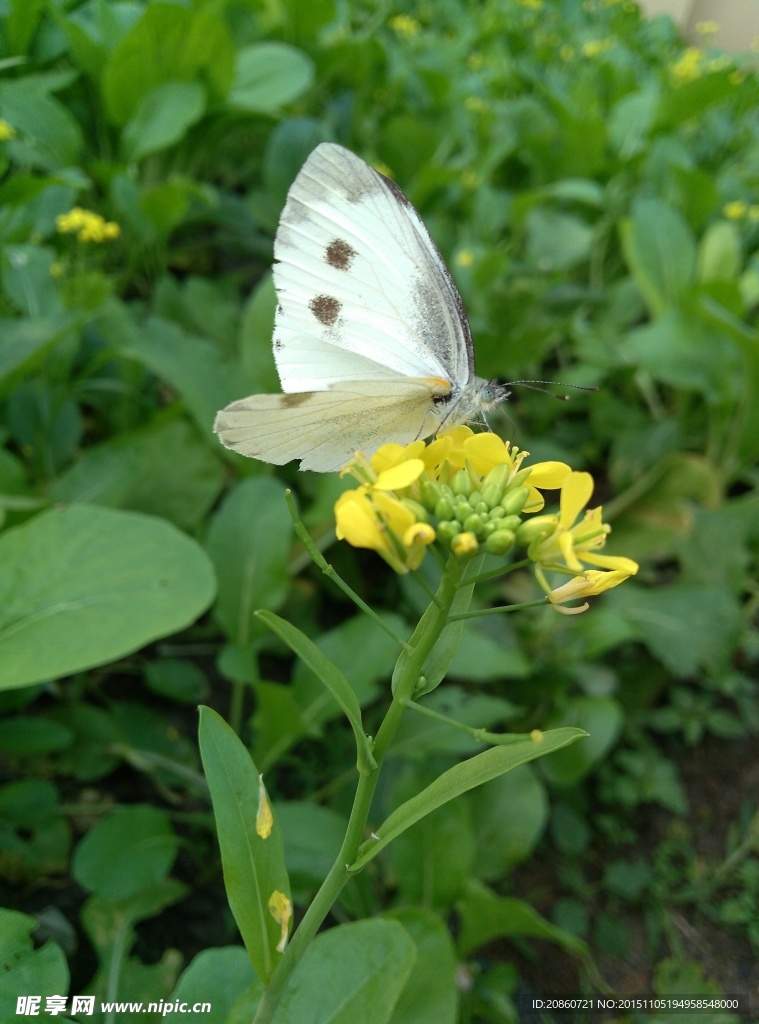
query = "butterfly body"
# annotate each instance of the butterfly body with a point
(371, 339)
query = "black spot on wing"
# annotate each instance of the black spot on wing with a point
(339, 254)
(326, 309)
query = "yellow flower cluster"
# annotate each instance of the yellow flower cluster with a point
(737, 209)
(7, 131)
(405, 25)
(595, 47)
(88, 226)
(469, 492)
(689, 66)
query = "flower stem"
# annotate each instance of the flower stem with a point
(406, 677)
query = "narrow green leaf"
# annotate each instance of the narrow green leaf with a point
(254, 867)
(332, 678)
(71, 598)
(459, 779)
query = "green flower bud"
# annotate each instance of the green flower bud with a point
(510, 523)
(515, 500)
(499, 542)
(447, 530)
(461, 483)
(462, 511)
(496, 513)
(444, 508)
(494, 483)
(420, 512)
(474, 524)
(536, 529)
(481, 508)
(430, 495)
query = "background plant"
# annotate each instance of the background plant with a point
(591, 184)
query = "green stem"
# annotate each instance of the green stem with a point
(408, 671)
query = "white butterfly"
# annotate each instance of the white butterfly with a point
(371, 339)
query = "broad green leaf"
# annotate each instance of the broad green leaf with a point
(268, 75)
(509, 815)
(601, 718)
(215, 976)
(461, 778)
(430, 995)
(28, 281)
(631, 121)
(21, 23)
(556, 241)
(485, 654)
(330, 676)
(194, 366)
(432, 860)
(720, 252)
(82, 586)
(25, 969)
(254, 867)
(32, 736)
(49, 137)
(164, 469)
(248, 540)
(169, 43)
(688, 627)
(313, 836)
(484, 916)
(131, 850)
(162, 118)
(352, 974)
(660, 251)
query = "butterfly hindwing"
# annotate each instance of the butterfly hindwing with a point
(324, 429)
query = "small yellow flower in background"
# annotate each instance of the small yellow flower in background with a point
(7, 131)
(735, 210)
(531, 5)
(464, 258)
(689, 66)
(595, 47)
(475, 104)
(281, 909)
(405, 25)
(715, 64)
(264, 817)
(87, 226)
(707, 28)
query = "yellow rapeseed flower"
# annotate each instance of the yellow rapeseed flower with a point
(735, 210)
(464, 258)
(689, 66)
(595, 47)
(707, 28)
(87, 226)
(405, 25)
(7, 131)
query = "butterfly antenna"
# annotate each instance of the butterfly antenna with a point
(529, 384)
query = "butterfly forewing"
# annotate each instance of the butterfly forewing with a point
(363, 292)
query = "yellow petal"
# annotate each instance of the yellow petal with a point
(548, 475)
(575, 495)
(485, 451)
(402, 475)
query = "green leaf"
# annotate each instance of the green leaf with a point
(430, 995)
(484, 916)
(131, 850)
(331, 677)
(72, 598)
(509, 815)
(313, 836)
(459, 779)
(49, 137)
(169, 43)
(720, 253)
(556, 241)
(601, 718)
(419, 736)
(254, 867)
(248, 541)
(165, 470)
(352, 974)
(660, 251)
(688, 627)
(269, 75)
(215, 976)
(28, 281)
(162, 118)
(194, 366)
(24, 969)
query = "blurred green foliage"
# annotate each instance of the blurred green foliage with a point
(592, 185)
